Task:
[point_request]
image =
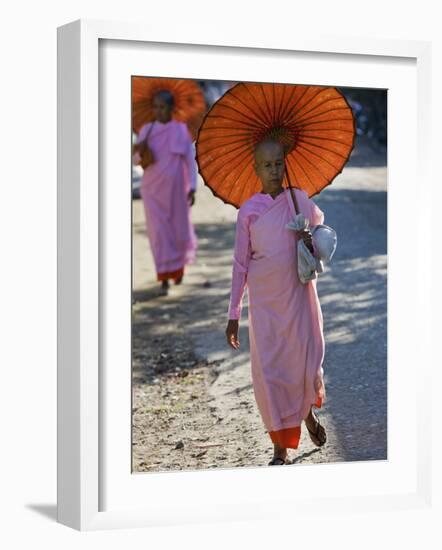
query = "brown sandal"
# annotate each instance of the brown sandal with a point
(274, 462)
(314, 435)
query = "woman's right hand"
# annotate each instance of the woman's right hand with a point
(232, 333)
(137, 153)
(136, 158)
(306, 236)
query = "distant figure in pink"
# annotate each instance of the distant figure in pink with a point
(168, 191)
(285, 319)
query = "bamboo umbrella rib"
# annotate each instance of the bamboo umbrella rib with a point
(335, 130)
(326, 121)
(264, 118)
(292, 104)
(228, 152)
(293, 175)
(237, 178)
(295, 160)
(241, 158)
(244, 188)
(220, 155)
(286, 104)
(281, 102)
(294, 111)
(218, 164)
(269, 110)
(206, 143)
(323, 139)
(309, 129)
(215, 128)
(227, 142)
(319, 157)
(248, 107)
(237, 131)
(311, 104)
(307, 173)
(303, 117)
(227, 119)
(307, 119)
(313, 166)
(322, 147)
(306, 163)
(252, 121)
(249, 122)
(217, 168)
(236, 121)
(274, 106)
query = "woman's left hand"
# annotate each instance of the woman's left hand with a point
(232, 333)
(191, 197)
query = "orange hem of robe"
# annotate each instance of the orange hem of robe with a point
(288, 438)
(175, 275)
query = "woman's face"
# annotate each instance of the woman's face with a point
(269, 166)
(161, 110)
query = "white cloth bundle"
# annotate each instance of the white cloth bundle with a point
(324, 245)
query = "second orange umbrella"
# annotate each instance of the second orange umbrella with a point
(190, 105)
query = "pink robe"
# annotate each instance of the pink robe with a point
(164, 188)
(285, 318)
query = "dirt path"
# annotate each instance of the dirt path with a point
(193, 403)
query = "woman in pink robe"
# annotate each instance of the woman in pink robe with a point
(167, 189)
(285, 319)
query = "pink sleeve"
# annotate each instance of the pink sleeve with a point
(316, 215)
(241, 259)
(136, 158)
(143, 132)
(316, 218)
(191, 165)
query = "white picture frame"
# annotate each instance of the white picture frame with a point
(82, 466)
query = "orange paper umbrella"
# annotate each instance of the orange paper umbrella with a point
(190, 104)
(314, 123)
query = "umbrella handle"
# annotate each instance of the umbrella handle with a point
(295, 202)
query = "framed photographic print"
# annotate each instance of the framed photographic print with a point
(233, 274)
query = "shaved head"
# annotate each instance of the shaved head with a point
(270, 164)
(266, 144)
(166, 96)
